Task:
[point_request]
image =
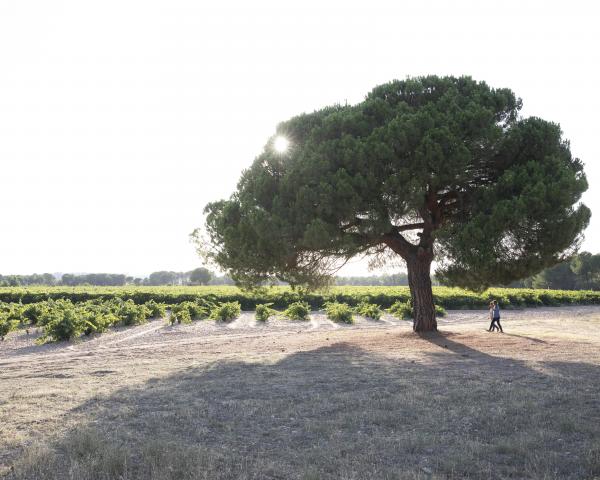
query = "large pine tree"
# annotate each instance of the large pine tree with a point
(426, 168)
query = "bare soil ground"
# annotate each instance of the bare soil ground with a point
(308, 400)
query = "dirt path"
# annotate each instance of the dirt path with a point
(48, 389)
(19, 348)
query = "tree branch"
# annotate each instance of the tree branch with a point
(409, 226)
(355, 223)
(398, 244)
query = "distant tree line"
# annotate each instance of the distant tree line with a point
(198, 276)
(35, 279)
(582, 272)
(374, 280)
(385, 280)
(101, 279)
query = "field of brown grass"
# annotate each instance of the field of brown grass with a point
(308, 400)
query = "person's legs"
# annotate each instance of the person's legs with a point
(492, 326)
(499, 326)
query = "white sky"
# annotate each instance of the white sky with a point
(120, 120)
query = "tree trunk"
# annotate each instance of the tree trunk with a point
(419, 281)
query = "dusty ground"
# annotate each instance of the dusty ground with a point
(308, 400)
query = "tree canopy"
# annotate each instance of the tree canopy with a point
(200, 276)
(423, 162)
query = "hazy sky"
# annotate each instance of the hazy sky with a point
(120, 120)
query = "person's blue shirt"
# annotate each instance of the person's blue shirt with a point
(496, 311)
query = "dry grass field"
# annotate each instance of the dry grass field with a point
(308, 400)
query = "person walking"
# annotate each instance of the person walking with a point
(492, 326)
(495, 317)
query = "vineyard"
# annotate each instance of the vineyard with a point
(282, 297)
(67, 313)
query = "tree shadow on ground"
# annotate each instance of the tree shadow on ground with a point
(339, 412)
(531, 339)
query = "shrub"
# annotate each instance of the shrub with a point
(5, 326)
(157, 310)
(132, 314)
(264, 311)
(180, 314)
(339, 312)
(34, 312)
(226, 311)
(99, 322)
(54, 309)
(193, 311)
(114, 305)
(402, 310)
(369, 310)
(199, 310)
(64, 324)
(297, 311)
(13, 312)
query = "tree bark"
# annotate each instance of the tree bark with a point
(419, 282)
(418, 260)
